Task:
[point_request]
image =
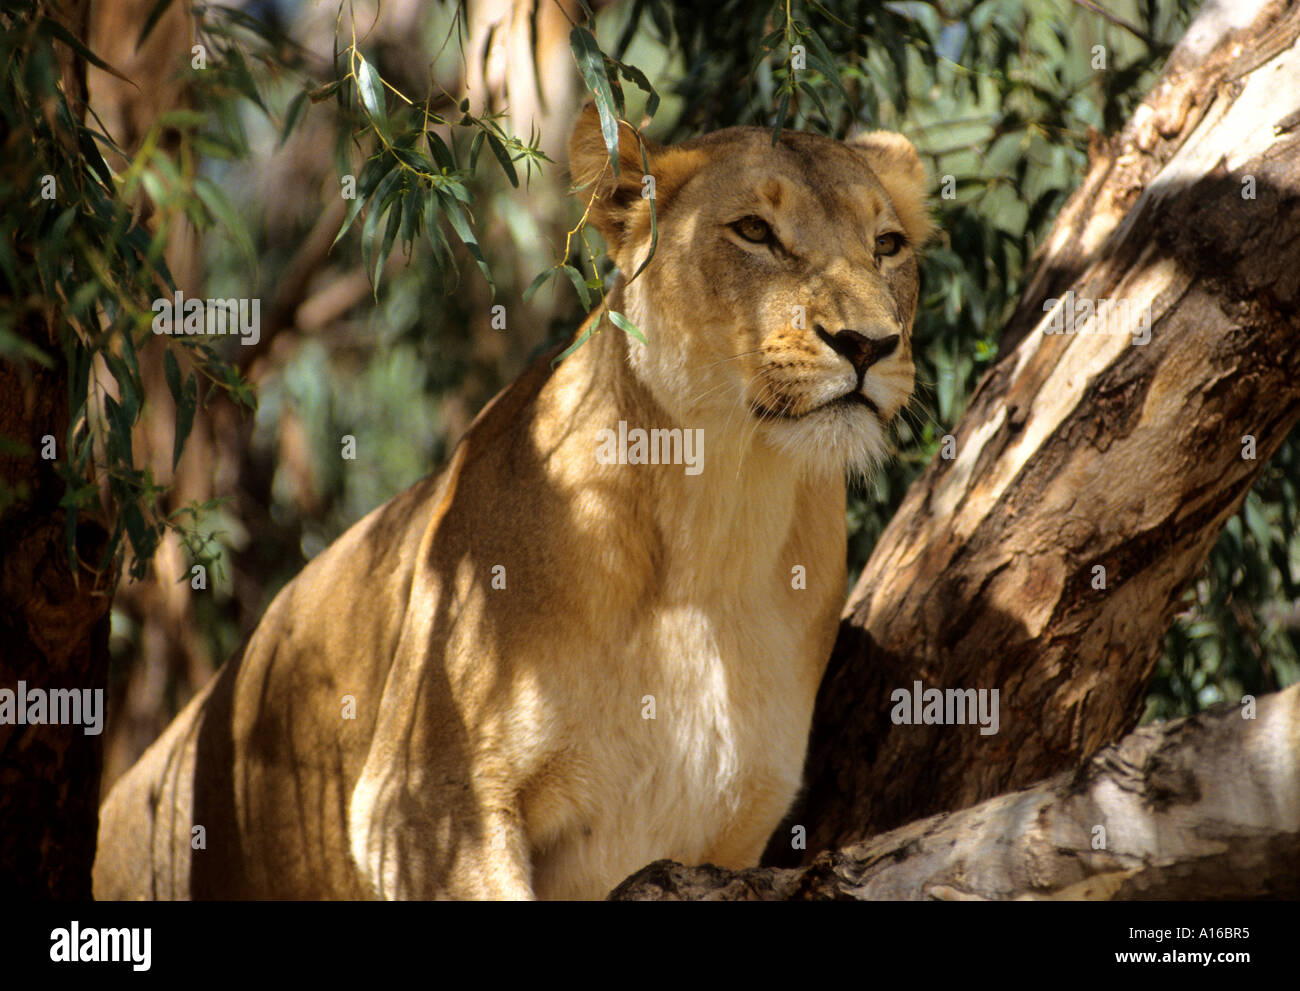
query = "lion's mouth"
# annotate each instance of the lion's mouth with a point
(852, 398)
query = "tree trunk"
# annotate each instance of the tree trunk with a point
(1199, 808)
(53, 635)
(1091, 474)
(53, 620)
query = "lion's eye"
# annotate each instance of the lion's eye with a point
(889, 244)
(753, 229)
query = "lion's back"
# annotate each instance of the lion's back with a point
(272, 746)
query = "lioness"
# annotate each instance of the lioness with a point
(560, 667)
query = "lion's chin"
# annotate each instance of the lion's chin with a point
(842, 437)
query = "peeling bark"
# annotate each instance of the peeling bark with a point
(1200, 808)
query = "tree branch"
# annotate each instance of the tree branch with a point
(1201, 808)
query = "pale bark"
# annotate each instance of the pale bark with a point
(173, 658)
(1085, 451)
(1200, 808)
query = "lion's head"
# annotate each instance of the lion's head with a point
(780, 297)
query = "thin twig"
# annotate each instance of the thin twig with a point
(1118, 22)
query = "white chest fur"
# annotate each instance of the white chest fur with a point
(695, 751)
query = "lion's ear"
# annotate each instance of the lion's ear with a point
(620, 208)
(897, 165)
(589, 159)
(615, 195)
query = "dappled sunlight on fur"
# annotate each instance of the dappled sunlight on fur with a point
(569, 657)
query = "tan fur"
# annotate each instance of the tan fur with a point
(499, 749)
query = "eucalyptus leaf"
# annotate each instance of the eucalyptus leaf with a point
(371, 90)
(591, 64)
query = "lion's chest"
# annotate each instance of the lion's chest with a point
(693, 748)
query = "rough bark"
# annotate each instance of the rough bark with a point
(53, 635)
(53, 619)
(1081, 450)
(1200, 808)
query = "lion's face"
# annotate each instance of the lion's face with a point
(781, 295)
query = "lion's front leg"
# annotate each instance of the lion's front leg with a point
(417, 838)
(434, 813)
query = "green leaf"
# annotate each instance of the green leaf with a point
(460, 224)
(586, 336)
(135, 526)
(296, 109)
(579, 284)
(371, 88)
(151, 19)
(126, 386)
(237, 387)
(638, 79)
(630, 28)
(503, 157)
(433, 234)
(780, 117)
(390, 235)
(824, 61)
(415, 160)
(537, 283)
(411, 204)
(242, 78)
(79, 381)
(378, 203)
(93, 158)
(216, 146)
(624, 324)
(323, 93)
(215, 200)
(119, 434)
(172, 372)
(47, 25)
(441, 153)
(374, 215)
(811, 90)
(769, 41)
(182, 119)
(591, 63)
(375, 170)
(475, 147)
(232, 126)
(185, 407)
(59, 229)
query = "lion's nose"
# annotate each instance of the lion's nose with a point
(861, 350)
